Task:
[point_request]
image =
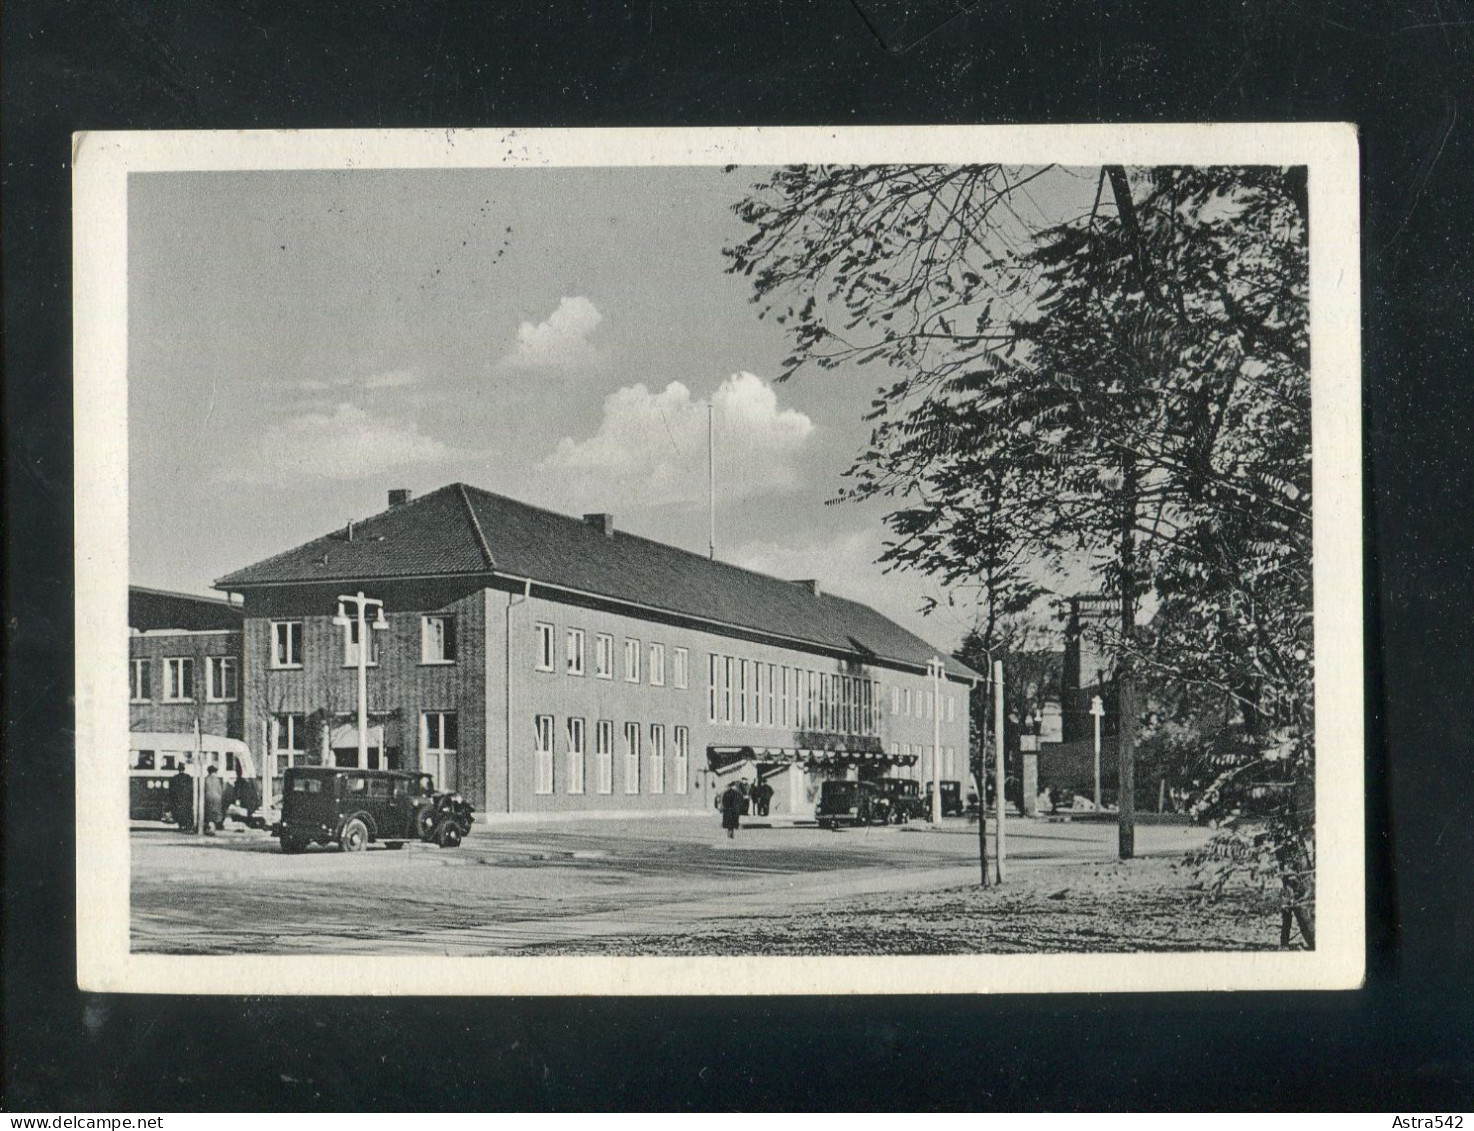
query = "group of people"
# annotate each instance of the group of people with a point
(738, 798)
(217, 801)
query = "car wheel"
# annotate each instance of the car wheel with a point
(425, 824)
(355, 836)
(292, 845)
(448, 835)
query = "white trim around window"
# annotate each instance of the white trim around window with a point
(604, 755)
(542, 643)
(178, 679)
(657, 665)
(575, 651)
(140, 681)
(603, 656)
(680, 668)
(223, 682)
(542, 726)
(438, 639)
(574, 779)
(682, 768)
(631, 660)
(286, 644)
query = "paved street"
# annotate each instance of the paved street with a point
(512, 887)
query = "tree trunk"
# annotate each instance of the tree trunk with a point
(1126, 677)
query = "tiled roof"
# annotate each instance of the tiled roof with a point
(464, 530)
(155, 609)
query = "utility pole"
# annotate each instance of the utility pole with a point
(982, 782)
(711, 479)
(998, 759)
(934, 665)
(360, 621)
(1097, 711)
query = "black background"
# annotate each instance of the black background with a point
(1401, 70)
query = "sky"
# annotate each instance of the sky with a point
(301, 342)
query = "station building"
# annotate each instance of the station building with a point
(537, 662)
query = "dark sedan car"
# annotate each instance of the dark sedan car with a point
(352, 807)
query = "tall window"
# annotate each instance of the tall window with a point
(286, 644)
(657, 665)
(575, 756)
(682, 767)
(632, 757)
(290, 740)
(437, 640)
(575, 651)
(657, 759)
(727, 680)
(846, 704)
(754, 692)
(826, 702)
(350, 644)
(604, 656)
(680, 662)
(906, 701)
(631, 661)
(951, 708)
(895, 699)
(604, 755)
(542, 643)
(783, 681)
(742, 678)
(771, 719)
(439, 737)
(801, 700)
(140, 684)
(178, 679)
(542, 726)
(875, 706)
(713, 689)
(224, 679)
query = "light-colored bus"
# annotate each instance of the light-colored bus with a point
(155, 757)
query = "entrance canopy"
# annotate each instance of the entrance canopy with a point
(720, 756)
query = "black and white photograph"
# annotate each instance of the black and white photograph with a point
(767, 550)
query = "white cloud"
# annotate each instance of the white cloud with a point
(346, 443)
(650, 448)
(560, 342)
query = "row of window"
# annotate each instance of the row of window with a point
(545, 657)
(439, 734)
(437, 642)
(924, 702)
(222, 680)
(751, 693)
(643, 757)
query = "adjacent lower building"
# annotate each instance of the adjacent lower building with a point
(184, 663)
(537, 662)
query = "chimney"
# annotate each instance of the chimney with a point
(604, 523)
(811, 584)
(398, 496)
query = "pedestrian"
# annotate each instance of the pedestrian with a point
(245, 794)
(763, 792)
(731, 810)
(214, 800)
(181, 798)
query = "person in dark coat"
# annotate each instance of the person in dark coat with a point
(731, 810)
(214, 800)
(245, 794)
(181, 799)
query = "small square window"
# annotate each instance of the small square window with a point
(438, 640)
(224, 679)
(286, 644)
(179, 679)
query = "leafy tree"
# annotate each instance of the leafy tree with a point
(1118, 376)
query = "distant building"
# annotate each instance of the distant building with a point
(537, 662)
(184, 663)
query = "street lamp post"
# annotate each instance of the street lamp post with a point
(359, 620)
(1097, 711)
(935, 668)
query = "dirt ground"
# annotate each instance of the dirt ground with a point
(680, 887)
(1110, 907)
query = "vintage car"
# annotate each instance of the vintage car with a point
(851, 803)
(951, 799)
(905, 800)
(353, 807)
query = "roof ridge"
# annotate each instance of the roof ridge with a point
(476, 526)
